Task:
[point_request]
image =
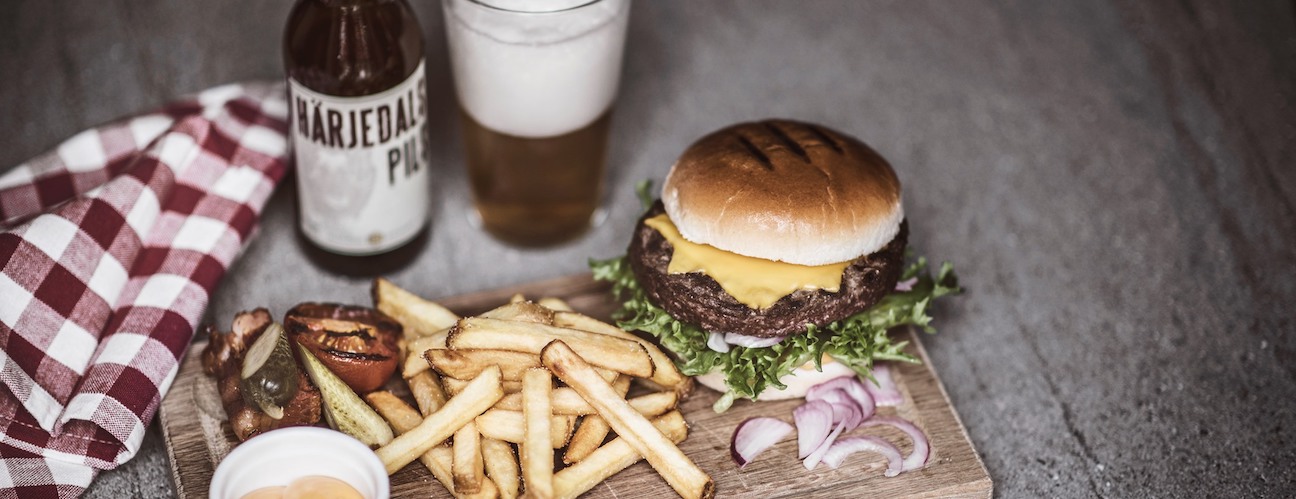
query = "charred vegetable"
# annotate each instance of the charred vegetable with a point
(268, 379)
(343, 409)
(359, 344)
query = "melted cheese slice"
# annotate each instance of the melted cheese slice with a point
(754, 282)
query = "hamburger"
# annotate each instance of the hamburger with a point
(774, 260)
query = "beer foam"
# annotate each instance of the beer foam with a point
(536, 74)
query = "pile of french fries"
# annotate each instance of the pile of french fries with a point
(538, 376)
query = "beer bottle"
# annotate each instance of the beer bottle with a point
(358, 119)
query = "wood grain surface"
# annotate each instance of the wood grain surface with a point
(197, 438)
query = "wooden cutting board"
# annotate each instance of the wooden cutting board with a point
(197, 436)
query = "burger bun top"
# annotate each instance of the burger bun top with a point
(784, 191)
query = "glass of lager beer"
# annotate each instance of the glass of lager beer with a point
(535, 81)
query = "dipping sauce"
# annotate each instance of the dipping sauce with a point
(314, 486)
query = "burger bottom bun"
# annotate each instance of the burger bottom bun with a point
(798, 383)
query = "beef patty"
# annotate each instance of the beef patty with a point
(698, 299)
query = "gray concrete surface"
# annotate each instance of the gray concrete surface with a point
(1115, 181)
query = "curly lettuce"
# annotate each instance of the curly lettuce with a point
(856, 341)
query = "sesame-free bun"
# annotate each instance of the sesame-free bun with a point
(798, 383)
(786, 191)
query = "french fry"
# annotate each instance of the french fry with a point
(608, 375)
(593, 429)
(465, 364)
(537, 455)
(673, 465)
(455, 385)
(554, 303)
(467, 467)
(588, 437)
(501, 467)
(398, 414)
(478, 396)
(444, 457)
(414, 361)
(655, 404)
(509, 426)
(665, 374)
(427, 392)
(438, 460)
(611, 458)
(524, 311)
(565, 401)
(418, 317)
(618, 354)
(517, 298)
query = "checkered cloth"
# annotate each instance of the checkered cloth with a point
(112, 244)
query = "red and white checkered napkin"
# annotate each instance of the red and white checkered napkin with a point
(112, 244)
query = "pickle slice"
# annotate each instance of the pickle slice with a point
(268, 379)
(343, 409)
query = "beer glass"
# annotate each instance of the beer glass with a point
(536, 80)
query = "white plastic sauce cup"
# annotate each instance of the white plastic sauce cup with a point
(281, 456)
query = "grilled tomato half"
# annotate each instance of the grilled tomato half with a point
(359, 344)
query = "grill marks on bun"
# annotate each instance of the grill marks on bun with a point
(825, 138)
(785, 191)
(787, 141)
(771, 138)
(756, 152)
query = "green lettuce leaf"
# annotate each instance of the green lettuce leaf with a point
(856, 341)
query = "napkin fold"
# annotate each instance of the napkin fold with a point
(112, 244)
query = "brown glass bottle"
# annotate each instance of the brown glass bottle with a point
(357, 103)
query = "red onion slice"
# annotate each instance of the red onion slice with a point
(849, 414)
(814, 420)
(906, 285)
(922, 448)
(884, 392)
(755, 435)
(844, 408)
(849, 386)
(815, 457)
(751, 341)
(716, 342)
(850, 445)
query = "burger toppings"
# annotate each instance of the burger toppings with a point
(755, 282)
(850, 445)
(922, 448)
(716, 341)
(755, 435)
(831, 409)
(813, 421)
(844, 392)
(856, 341)
(883, 389)
(743, 340)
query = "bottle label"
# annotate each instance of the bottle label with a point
(362, 166)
